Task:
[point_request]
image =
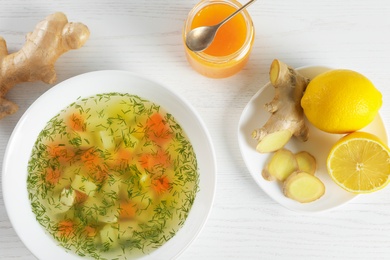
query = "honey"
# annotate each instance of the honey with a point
(230, 50)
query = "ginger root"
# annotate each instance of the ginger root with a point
(303, 187)
(35, 60)
(287, 118)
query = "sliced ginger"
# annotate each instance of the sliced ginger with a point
(292, 170)
(274, 141)
(306, 162)
(303, 187)
(281, 165)
(287, 118)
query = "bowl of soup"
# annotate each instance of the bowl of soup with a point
(109, 165)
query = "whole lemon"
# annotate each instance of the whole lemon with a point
(341, 101)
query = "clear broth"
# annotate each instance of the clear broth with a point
(112, 176)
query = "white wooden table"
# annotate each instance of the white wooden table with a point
(144, 37)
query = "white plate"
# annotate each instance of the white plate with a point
(319, 145)
(49, 104)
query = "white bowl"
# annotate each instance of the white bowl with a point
(20, 145)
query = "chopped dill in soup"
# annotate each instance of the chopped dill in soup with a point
(112, 176)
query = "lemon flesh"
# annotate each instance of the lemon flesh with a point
(360, 163)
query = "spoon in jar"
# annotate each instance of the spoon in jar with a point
(200, 38)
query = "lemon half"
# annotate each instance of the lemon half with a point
(360, 163)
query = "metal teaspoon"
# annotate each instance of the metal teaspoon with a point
(200, 38)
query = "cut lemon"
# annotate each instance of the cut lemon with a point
(360, 163)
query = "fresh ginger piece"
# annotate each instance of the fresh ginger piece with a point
(274, 141)
(35, 60)
(281, 165)
(266, 175)
(306, 162)
(287, 113)
(303, 187)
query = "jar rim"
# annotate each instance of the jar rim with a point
(238, 53)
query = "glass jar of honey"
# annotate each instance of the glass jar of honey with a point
(230, 50)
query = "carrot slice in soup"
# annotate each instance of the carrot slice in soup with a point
(91, 158)
(99, 175)
(81, 196)
(149, 161)
(52, 176)
(122, 156)
(60, 151)
(76, 122)
(127, 210)
(161, 185)
(65, 228)
(94, 164)
(162, 158)
(158, 131)
(146, 161)
(90, 231)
